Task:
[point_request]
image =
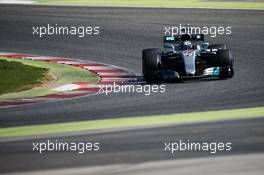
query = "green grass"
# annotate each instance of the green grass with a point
(159, 3)
(18, 77)
(65, 75)
(180, 118)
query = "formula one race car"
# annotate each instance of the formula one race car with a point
(187, 56)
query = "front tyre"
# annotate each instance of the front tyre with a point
(151, 63)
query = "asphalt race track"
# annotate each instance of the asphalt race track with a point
(128, 147)
(124, 33)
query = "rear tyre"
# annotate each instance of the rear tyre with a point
(151, 62)
(226, 61)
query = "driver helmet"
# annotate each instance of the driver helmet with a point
(187, 44)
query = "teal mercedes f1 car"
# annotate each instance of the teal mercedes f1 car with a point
(187, 56)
